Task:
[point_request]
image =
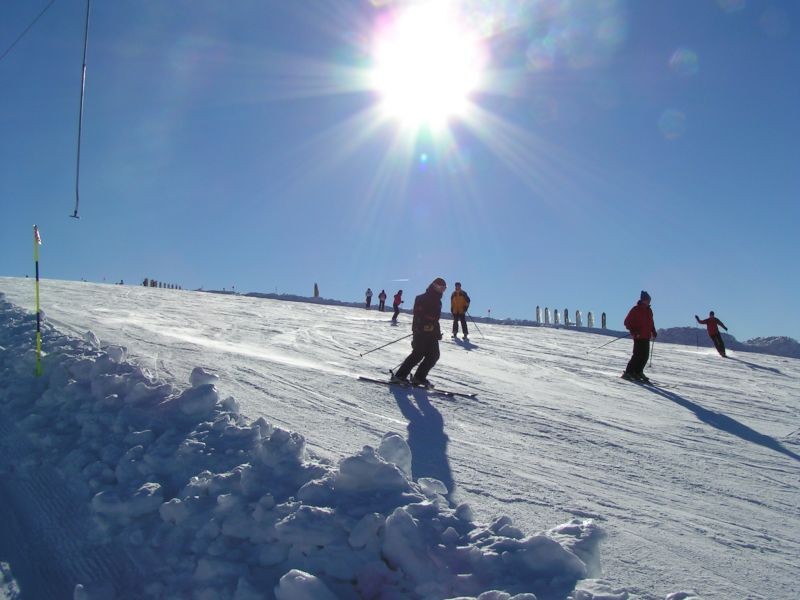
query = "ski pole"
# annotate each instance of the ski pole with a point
(652, 350)
(37, 240)
(607, 343)
(388, 344)
(476, 325)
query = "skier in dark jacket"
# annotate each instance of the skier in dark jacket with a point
(713, 324)
(459, 304)
(382, 300)
(426, 335)
(640, 323)
(398, 300)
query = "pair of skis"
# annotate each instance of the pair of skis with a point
(649, 383)
(430, 390)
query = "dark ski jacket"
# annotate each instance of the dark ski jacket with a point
(459, 302)
(712, 325)
(427, 310)
(640, 322)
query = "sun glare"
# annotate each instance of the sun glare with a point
(426, 64)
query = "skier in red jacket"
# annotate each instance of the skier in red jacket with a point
(398, 300)
(640, 323)
(713, 324)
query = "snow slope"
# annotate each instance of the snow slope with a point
(693, 486)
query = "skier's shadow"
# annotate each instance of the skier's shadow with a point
(725, 423)
(757, 367)
(467, 345)
(426, 437)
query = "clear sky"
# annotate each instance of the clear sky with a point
(594, 149)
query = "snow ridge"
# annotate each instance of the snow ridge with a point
(182, 496)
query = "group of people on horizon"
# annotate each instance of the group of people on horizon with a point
(426, 332)
(381, 299)
(398, 300)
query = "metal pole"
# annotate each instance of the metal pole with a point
(478, 329)
(389, 344)
(607, 343)
(36, 241)
(80, 114)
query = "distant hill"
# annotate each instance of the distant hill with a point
(689, 336)
(777, 345)
(696, 336)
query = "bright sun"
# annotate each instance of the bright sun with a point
(426, 65)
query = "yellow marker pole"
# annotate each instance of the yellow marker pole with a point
(36, 242)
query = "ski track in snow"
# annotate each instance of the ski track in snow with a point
(680, 478)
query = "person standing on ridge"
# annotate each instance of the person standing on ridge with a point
(382, 301)
(398, 300)
(459, 303)
(640, 323)
(368, 293)
(713, 324)
(426, 335)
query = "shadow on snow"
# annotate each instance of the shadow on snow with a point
(725, 423)
(756, 367)
(426, 437)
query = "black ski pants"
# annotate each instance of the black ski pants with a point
(638, 361)
(462, 318)
(396, 308)
(718, 343)
(425, 348)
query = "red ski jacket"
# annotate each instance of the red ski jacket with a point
(640, 322)
(712, 324)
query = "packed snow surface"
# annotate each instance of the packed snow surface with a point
(183, 444)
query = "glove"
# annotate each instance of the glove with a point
(655, 335)
(696, 317)
(440, 335)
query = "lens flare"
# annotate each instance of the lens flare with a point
(672, 124)
(730, 6)
(684, 62)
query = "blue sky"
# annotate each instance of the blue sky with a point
(612, 147)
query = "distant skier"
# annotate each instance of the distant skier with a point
(398, 300)
(640, 323)
(382, 300)
(426, 335)
(713, 324)
(369, 297)
(459, 304)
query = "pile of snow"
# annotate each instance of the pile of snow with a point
(182, 496)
